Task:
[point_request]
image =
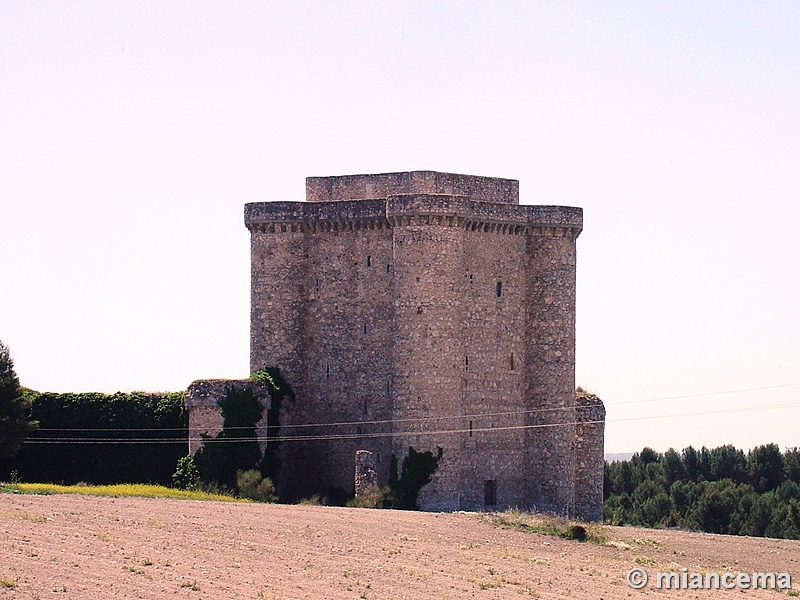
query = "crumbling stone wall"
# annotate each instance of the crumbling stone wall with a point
(202, 398)
(432, 307)
(589, 458)
(366, 477)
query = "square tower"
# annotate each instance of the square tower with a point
(425, 310)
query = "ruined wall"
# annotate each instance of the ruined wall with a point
(589, 460)
(201, 400)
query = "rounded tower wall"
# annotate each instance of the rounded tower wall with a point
(550, 309)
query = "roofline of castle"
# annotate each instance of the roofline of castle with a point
(405, 209)
(382, 185)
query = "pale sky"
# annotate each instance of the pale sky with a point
(132, 134)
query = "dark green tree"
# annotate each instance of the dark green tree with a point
(765, 467)
(691, 463)
(728, 462)
(672, 467)
(717, 505)
(791, 463)
(15, 408)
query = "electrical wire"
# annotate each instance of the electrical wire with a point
(441, 418)
(394, 434)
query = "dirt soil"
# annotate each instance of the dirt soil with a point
(66, 546)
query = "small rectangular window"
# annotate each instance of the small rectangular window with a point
(499, 289)
(470, 429)
(328, 371)
(511, 361)
(369, 261)
(365, 328)
(489, 492)
(466, 363)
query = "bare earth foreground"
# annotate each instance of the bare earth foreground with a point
(92, 547)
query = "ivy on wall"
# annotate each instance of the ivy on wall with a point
(418, 468)
(279, 390)
(236, 446)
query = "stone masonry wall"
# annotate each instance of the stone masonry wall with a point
(589, 459)
(439, 313)
(550, 337)
(362, 187)
(201, 400)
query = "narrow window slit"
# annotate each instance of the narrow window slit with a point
(489, 492)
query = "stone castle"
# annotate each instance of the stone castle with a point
(427, 310)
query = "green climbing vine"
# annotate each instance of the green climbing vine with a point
(418, 468)
(236, 446)
(279, 390)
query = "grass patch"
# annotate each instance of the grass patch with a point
(8, 583)
(139, 490)
(192, 585)
(547, 525)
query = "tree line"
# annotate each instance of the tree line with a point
(722, 490)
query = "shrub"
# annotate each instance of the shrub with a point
(186, 476)
(253, 486)
(373, 497)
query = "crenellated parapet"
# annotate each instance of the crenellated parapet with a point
(416, 209)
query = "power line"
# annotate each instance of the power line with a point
(394, 434)
(756, 389)
(440, 418)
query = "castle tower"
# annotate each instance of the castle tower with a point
(422, 310)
